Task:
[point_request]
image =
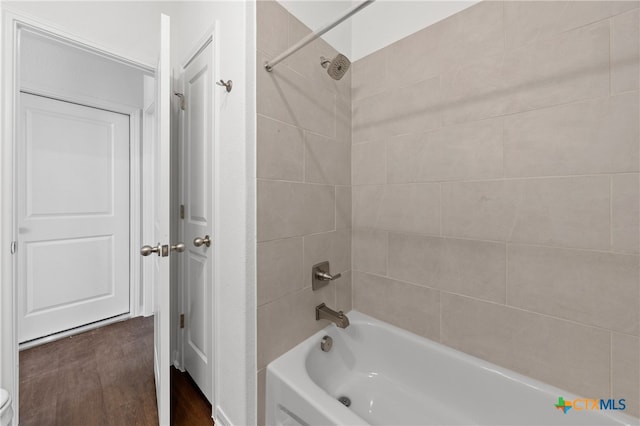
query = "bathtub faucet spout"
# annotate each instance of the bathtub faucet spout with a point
(338, 318)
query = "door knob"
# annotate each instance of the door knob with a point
(178, 247)
(147, 250)
(200, 241)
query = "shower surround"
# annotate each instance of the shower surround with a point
(493, 160)
(303, 188)
(495, 189)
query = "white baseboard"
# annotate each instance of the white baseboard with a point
(220, 418)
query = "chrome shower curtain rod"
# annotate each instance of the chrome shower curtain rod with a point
(314, 35)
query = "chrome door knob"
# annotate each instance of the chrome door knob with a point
(147, 250)
(202, 241)
(179, 248)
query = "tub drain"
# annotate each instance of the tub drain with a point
(345, 401)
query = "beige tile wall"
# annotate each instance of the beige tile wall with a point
(495, 171)
(304, 186)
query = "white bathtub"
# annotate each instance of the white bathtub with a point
(394, 377)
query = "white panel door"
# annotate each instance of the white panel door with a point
(73, 216)
(197, 197)
(160, 185)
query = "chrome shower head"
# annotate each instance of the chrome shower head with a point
(337, 67)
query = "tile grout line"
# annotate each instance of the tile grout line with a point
(386, 256)
(498, 116)
(510, 307)
(489, 241)
(335, 208)
(503, 179)
(304, 129)
(610, 212)
(611, 364)
(504, 160)
(440, 204)
(440, 320)
(506, 274)
(610, 19)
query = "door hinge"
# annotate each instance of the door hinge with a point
(14, 247)
(181, 211)
(182, 100)
(181, 320)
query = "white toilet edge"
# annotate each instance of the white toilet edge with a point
(4, 398)
(6, 413)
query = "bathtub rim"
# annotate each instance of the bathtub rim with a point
(290, 368)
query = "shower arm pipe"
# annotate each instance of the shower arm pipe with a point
(314, 35)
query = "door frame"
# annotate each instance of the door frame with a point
(210, 37)
(10, 24)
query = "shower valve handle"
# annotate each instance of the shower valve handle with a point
(324, 276)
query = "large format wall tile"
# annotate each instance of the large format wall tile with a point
(287, 96)
(473, 268)
(625, 371)
(415, 108)
(471, 34)
(564, 354)
(370, 118)
(411, 208)
(271, 18)
(567, 67)
(405, 305)
(570, 67)
(370, 251)
(280, 150)
(572, 212)
(279, 268)
(303, 195)
(334, 246)
(410, 109)
(464, 151)
(368, 165)
(415, 57)
(326, 161)
(366, 204)
(287, 321)
(343, 115)
(344, 293)
(406, 208)
(625, 52)
(343, 207)
(593, 288)
(369, 75)
(595, 136)
(288, 209)
(530, 21)
(625, 212)
(308, 63)
(475, 90)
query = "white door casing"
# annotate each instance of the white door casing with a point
(197, 196)
(72, 215)
(161, 226)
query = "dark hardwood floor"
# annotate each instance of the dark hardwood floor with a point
(102, 377)
(189, 407)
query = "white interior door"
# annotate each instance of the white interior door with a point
(73, 216)
(158, 249)
(197, 197)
